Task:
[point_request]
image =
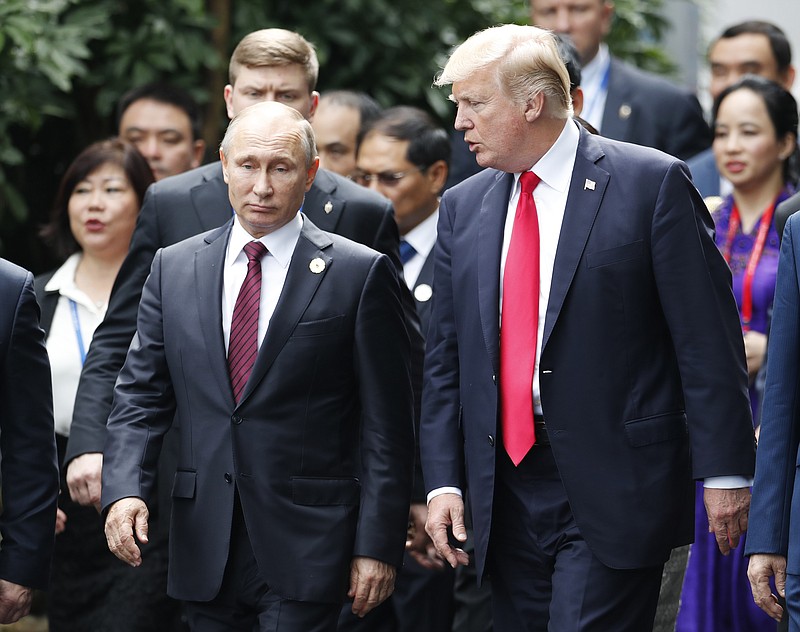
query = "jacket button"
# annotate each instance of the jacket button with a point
(236, 419)
(490, 439)
(228, 477)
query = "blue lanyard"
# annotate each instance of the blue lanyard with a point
(76, 323)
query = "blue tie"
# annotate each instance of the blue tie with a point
(406, 251)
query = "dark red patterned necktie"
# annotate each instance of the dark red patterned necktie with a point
(243, 345)
(519, 325)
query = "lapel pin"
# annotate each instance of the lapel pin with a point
(328, 207)
(625, 111)
(588, 185)
(317, 265)
(423, 292)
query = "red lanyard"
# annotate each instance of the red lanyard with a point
(752, 262)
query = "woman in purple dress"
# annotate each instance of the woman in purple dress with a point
(755, 146)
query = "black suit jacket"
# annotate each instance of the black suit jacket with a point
(189, 204)
(642, 371)
(784, 210)
(320, 445)
(646, 109)
(27, 438)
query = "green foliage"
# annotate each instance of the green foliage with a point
(638, 28)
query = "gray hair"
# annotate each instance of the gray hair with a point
(273, 109)
(526, 61)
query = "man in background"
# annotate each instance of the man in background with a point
(748, 48)
(621, 101)
(163, 122)
(340, 117)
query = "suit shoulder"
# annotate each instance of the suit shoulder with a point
(476, 182)
(647, 80)
(12, 275)
(183, 182)
(704, 160)
(350, 191)
(193, 243)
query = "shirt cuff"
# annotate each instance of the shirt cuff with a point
(443, 490)
(727, 482)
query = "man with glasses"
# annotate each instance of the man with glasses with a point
(405, 155)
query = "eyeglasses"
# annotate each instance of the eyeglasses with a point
(386, 179)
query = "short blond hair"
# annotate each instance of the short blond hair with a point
(526, 60)
(275, 47)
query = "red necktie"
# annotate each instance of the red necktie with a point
(519, 325)
(243, 344)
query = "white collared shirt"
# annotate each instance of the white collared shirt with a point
(555, 171)
(62, 339)
(274, 267)
(422, 237)
(594, 83)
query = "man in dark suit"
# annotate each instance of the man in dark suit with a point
(404, 155)
(748, 48)
(28, 447)
(784, 210)
(296, 452)
(772, 542)
(620, 100)
(267, 65)
(618, 375)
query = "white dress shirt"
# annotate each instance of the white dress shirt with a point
(594, 83)
(65, 330)
(274, 266)
(422, 237)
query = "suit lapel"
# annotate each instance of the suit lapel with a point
(491, 224)
(208, 267)
(298, 290)
(210, 200)
(321, 204)
(618, 110)
(583, 203)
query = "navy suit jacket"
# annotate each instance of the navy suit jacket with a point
(27, 437)
(646, 109)
(774, 526)
(643, 380)
(320, 445)
(705, 174)
(177, 208)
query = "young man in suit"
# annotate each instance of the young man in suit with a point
(28, 446)
(621, 101)
(404, 154)
(617, 376)
(282, 352)
(754, 47)
(163, 122)
(267, 65)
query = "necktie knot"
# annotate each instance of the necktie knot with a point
(529, 181)
(255, 250)
(407, 251)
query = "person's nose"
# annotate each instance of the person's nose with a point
(262, 186)
(462, 122)
(150, 148)
(563, 24)
(97, 200)
(732, 143)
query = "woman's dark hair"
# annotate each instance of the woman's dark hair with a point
(782, 110)
(113, 151)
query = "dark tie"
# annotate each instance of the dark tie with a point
(406, 251)
(519, 325)
(243, 345)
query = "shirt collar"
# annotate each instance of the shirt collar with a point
(423, 235)
(550, 167)
(64, 278)
(280, 243)
(593, 72)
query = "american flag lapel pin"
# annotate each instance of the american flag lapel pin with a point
(588, 185)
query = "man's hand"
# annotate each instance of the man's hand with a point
(418, 544)
(447, 511)
(15, 601)
(755, 348)
(727, 515)
(61, 521)
(760, 568)
(126, 517)
(84, 475)
(371, 583)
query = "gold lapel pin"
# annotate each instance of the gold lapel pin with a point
(625, 111)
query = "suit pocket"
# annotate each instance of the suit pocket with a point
(656, 429)
(325, 491)
(184, 484)
(318, 327)
(618, 254)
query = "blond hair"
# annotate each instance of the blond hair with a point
(275, 47)
(526, 62)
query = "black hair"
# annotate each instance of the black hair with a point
(428, 141)
(163, 93)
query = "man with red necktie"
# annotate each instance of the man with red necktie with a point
(585, 360)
